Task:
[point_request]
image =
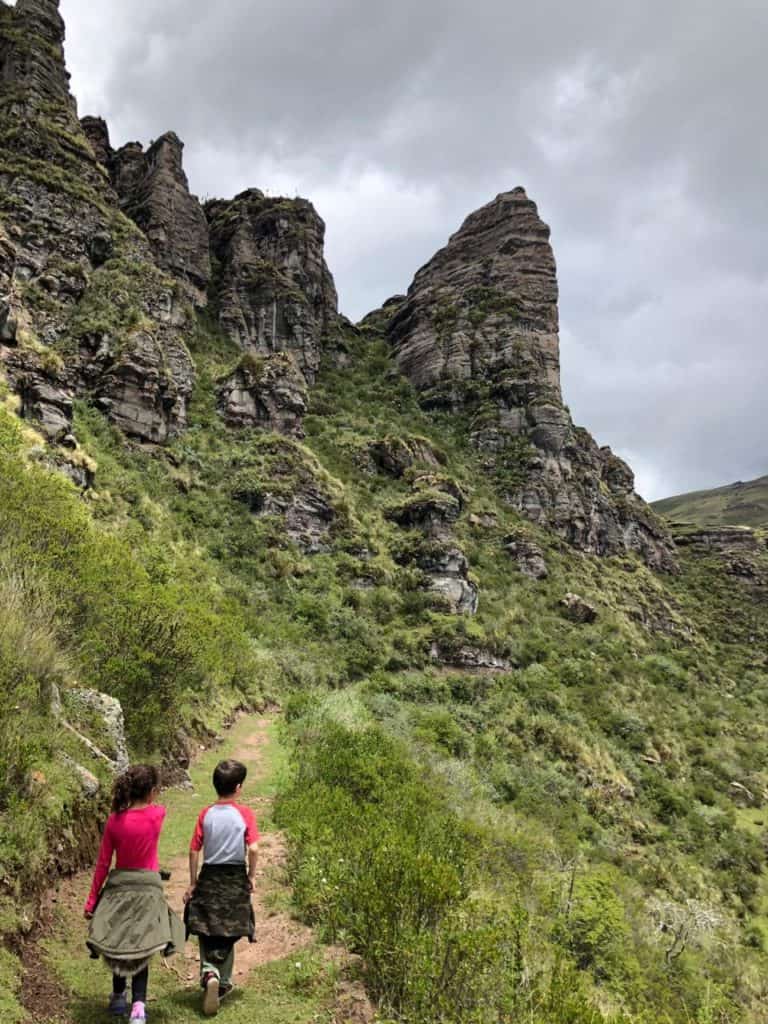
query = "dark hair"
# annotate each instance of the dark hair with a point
(136, 783)
(227, 776)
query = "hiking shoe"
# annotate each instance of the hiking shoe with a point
(118, 1004)
(210, 995)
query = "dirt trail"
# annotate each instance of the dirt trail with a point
(278, 935)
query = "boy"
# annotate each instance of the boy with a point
(218, 902)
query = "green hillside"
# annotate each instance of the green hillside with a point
(739, 504)
(565, 829)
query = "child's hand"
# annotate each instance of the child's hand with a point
(188, 894)
(87, 914)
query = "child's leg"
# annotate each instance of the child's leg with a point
(118, 984)
(139, 986)
(206, 965)
(227, 966)
(217, 956)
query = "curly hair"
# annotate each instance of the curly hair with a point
(135, 784)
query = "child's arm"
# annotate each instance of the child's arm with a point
(251, 840)
(253, 859)
(194, 859)
(195, 846)
(101, 871)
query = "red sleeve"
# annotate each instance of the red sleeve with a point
(103, 862)
(198, 835)
(251, 828)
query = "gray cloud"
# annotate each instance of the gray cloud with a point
(636, 128)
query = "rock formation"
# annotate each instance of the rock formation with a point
(154, 192)
(478, 334)
(268, 392)
(273, 290)
(429, 513)
(286, 484)
(740, 549)
(394, 456)
(528, 555)
(70, 324)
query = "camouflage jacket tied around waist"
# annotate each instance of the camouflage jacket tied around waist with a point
(132, 922)
(221, 903)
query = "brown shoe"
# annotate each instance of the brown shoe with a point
(210, 995)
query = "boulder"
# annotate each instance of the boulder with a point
(576, 609)
(47, 403)
(466, 656)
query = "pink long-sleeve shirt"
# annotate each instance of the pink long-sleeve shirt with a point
(132, 836)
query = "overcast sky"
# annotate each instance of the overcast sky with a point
(638, 128)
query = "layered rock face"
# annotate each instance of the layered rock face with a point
(429, 513)
(478, 334)
(154, 192)
(273, 290)
(83, 307)
(269, 393)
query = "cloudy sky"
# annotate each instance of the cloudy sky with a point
(639, 130)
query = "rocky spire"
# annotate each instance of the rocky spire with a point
(159, 201)
(32, 50)
(96, 131)
(478, 333)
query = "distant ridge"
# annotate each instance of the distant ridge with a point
(738, 504)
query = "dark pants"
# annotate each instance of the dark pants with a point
(217, 956)
(138, 985)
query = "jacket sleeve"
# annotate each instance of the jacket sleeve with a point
(103, 862)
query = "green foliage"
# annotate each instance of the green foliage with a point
(436, 810)
(385, 866)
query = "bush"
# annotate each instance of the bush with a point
(381, 862)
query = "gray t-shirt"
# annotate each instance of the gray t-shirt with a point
(224, 831)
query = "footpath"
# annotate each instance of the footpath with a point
(285, 977)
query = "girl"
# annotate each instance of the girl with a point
(129, 918)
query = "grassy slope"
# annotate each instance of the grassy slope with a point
(611, 745)
(739, 504)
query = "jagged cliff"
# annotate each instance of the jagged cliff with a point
(154, 192)
(408, 561)
(91, 305)
(104, 253)
(478, 334)
(84, 307)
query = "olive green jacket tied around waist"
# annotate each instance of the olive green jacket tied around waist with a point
(221, 903)
(132, 922)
